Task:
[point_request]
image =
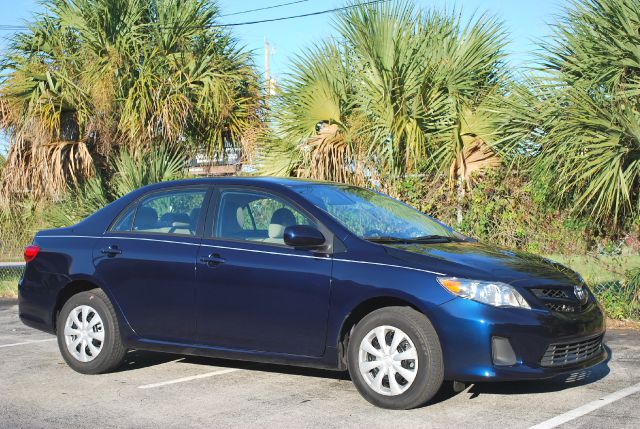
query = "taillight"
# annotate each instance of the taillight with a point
(30, 252)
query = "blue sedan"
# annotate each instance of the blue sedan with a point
(305, 273)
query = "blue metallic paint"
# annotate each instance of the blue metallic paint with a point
(273, 302)
(278, 304)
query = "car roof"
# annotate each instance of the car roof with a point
(243, 180)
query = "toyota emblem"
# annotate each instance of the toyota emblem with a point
(581, 294)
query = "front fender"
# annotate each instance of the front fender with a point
(357, 283)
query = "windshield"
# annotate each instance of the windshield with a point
(373, 216)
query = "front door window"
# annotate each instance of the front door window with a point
(255, 216)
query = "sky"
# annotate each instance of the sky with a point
(525, 20)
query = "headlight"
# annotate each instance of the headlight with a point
(493, 293)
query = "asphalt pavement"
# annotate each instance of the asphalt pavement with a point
(153, 390)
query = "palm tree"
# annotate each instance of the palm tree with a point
(318, 91)
(589, 151)
(89, 76)
(401, 91)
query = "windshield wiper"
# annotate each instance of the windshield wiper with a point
(434, 237)
(409, 240)
(386, 239)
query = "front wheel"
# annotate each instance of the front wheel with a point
(395, 359)
(88, 333)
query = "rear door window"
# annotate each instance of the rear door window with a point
(174, 212)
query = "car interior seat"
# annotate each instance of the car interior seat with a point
(280, 220)
(146, 219)
(193, 218)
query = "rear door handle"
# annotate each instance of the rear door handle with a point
(213, 260)
(111, 251)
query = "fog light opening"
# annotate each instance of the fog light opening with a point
(501, 352)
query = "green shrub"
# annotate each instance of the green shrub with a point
(18, 224)
(502, 209)
(632, 285)
(621, 299)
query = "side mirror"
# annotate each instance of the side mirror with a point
(304, 237)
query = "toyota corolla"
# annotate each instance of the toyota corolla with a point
(305, 273)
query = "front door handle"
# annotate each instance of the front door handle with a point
(213, 260)
(111, 251)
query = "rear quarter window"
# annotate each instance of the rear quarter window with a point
(124, 222)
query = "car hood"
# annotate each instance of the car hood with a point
(483, 262)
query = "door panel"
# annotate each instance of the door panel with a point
(153, 282)
(255, 300)
(253, 291)
(148, 261)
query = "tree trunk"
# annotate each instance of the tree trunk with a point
(460, 192)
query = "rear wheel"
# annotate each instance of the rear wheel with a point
(88, 333)
(395, 359)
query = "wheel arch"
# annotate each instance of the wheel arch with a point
(72, 288)
(82, 283)
(359, 312)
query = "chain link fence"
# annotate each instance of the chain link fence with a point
(620, 299)
(9, 278)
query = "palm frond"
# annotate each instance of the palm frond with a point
(90, 76)
(590, 145)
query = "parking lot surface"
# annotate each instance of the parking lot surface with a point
(37, 389)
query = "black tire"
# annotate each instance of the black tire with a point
(430, 369)
(112, 353)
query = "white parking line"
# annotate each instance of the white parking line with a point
(587, 408)
(193, 377)
(26, 342)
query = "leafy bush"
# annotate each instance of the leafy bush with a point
(620, 299)
(18, 224)
(501, 209)
(632, 285)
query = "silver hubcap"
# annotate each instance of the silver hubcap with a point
(84, 333)
(388, 360)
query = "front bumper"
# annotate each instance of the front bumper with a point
(466, 328)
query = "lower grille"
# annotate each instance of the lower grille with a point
(563, 354)
(561, 308)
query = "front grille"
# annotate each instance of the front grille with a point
(551, 293)
(563, 354)
(559, 299)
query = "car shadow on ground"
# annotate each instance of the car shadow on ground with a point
(137, 359)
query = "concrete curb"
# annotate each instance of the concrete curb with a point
(11, 265)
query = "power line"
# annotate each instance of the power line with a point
(8, 27)
(304, 15)
(263, 8)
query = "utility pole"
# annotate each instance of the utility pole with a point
(267, 75)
